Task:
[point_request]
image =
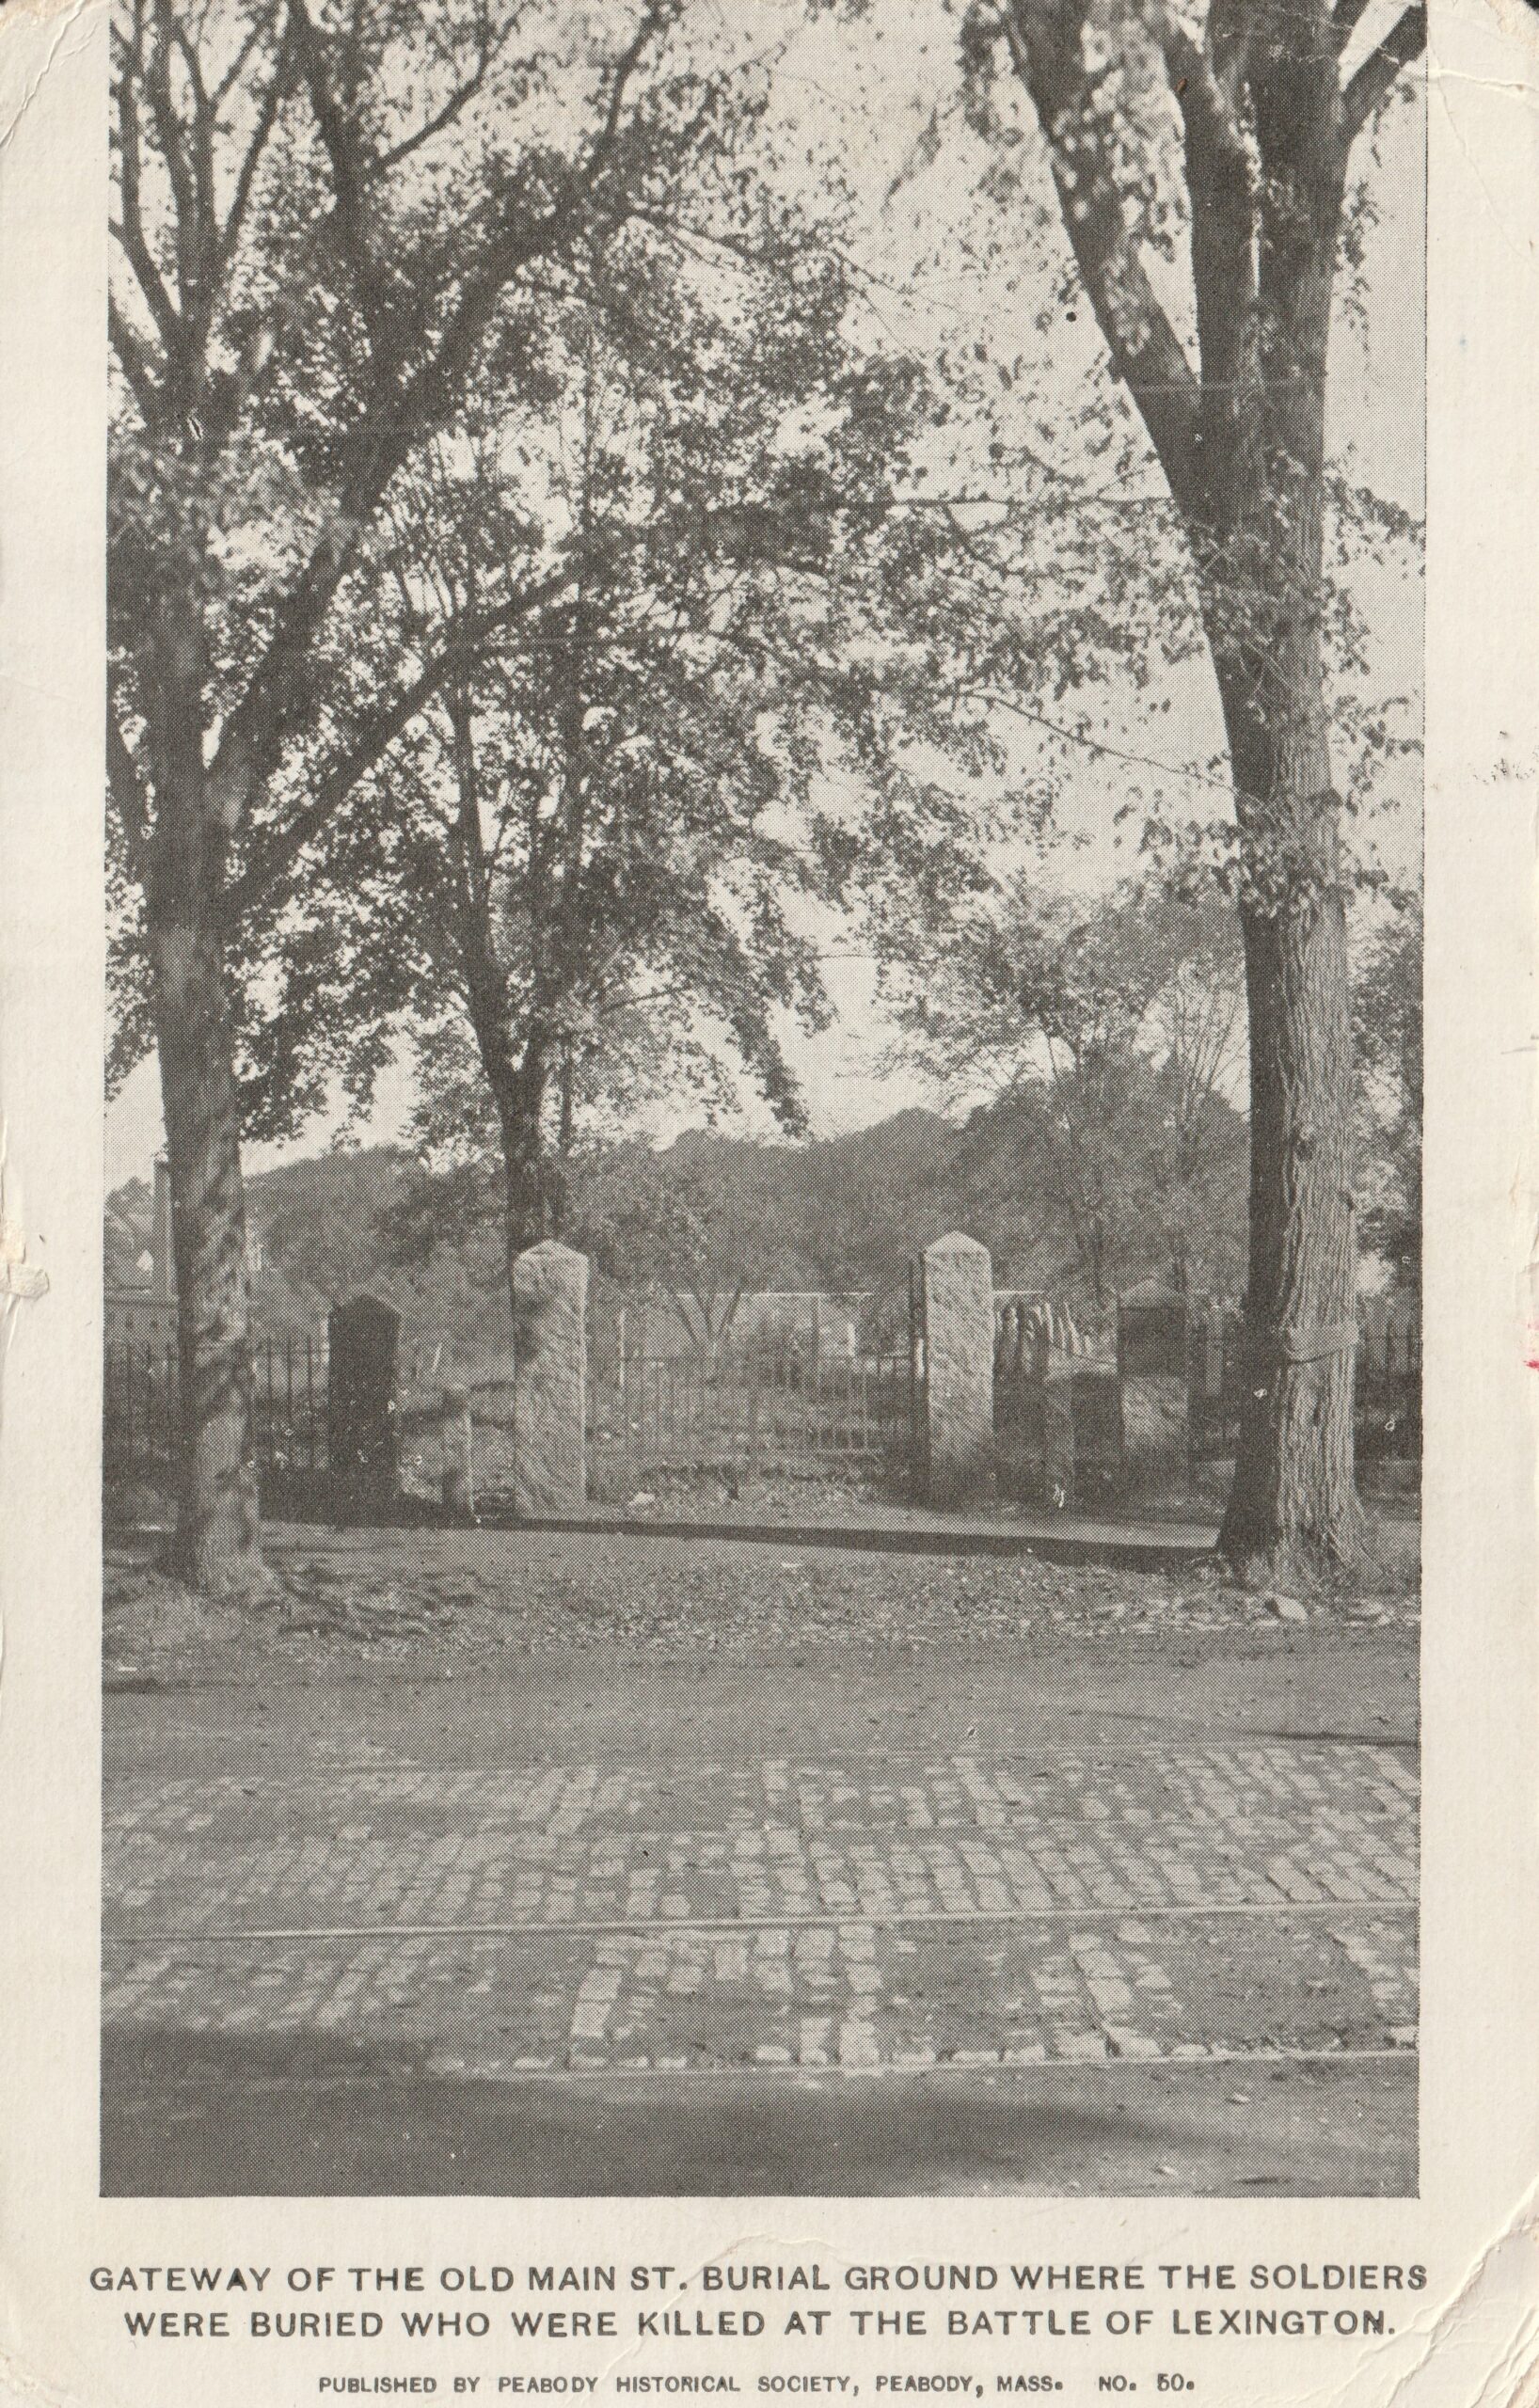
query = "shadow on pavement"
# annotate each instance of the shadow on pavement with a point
(198, 2115)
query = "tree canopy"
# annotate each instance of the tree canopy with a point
(1106, 1034)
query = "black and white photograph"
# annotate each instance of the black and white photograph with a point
(762, 1230)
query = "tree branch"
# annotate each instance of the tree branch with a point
(131, 234)
(1222, 214)
(205, 125)
(261, 26)
(1370, 85)
(279, 848)
(134, 359)
(230, 233)
(349, 170)
(653, 18)
(459, 99)
(1046, 43)
(173, 136)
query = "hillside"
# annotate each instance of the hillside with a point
(709, 1213)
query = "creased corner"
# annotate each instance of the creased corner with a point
(1478, 2346)
(22, 72)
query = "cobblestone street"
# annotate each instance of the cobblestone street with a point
(863, 1912)
(526, 1865)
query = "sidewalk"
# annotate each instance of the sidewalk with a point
(870, 1528)
(899, 1530)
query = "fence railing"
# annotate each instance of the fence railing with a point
(1060, 1425)
(753, 1407)
(1386, 1389)
(139, 1409)
(141, 1398)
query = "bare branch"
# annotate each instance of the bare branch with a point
(172, 138)
(277, 90)
(204, 132)
(458, 102)
(1345, 19)
(280, 848)
(131, 234)
(261, 26)
(1375, 79)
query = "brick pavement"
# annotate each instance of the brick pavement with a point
(1249, 1897)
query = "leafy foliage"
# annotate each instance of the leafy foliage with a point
(333, 220)
(608, 828)
(1111, 1031)
(1386, 1020)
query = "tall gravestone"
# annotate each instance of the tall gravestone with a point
(956, 1292)
(362, 1420)
(1153, 1368)
(549, 1374)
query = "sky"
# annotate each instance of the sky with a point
(875, 99)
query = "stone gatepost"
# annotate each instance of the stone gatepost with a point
(956, 1301)
(549, 1379)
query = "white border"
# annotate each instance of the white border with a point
(1476, 2338)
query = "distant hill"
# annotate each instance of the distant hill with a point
(318, 1229)
(711, 1212)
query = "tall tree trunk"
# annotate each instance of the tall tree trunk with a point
(1294, 1509)
(518, 1092)
(1294, 1506)
(218, 1543)
(518, 1080)
(1267, 132)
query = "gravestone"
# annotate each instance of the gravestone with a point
(549, 1374)
(956, 1294)
(1153, 1363)
(457, 1440)
(1058, 1466)
(362, 1421)
(1098, 1434)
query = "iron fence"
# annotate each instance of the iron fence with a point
(140, 1410)
(141, 1417)
(755, 1409)
(1386, 1389)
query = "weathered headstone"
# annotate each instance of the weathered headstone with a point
(362, 1422)
(549, 1372)
(459, 1446)
(1057, 1408)
(1152, 1364)
(1098, 1438)
(958, 1305)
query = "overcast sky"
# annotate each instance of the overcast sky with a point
(875, 98)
